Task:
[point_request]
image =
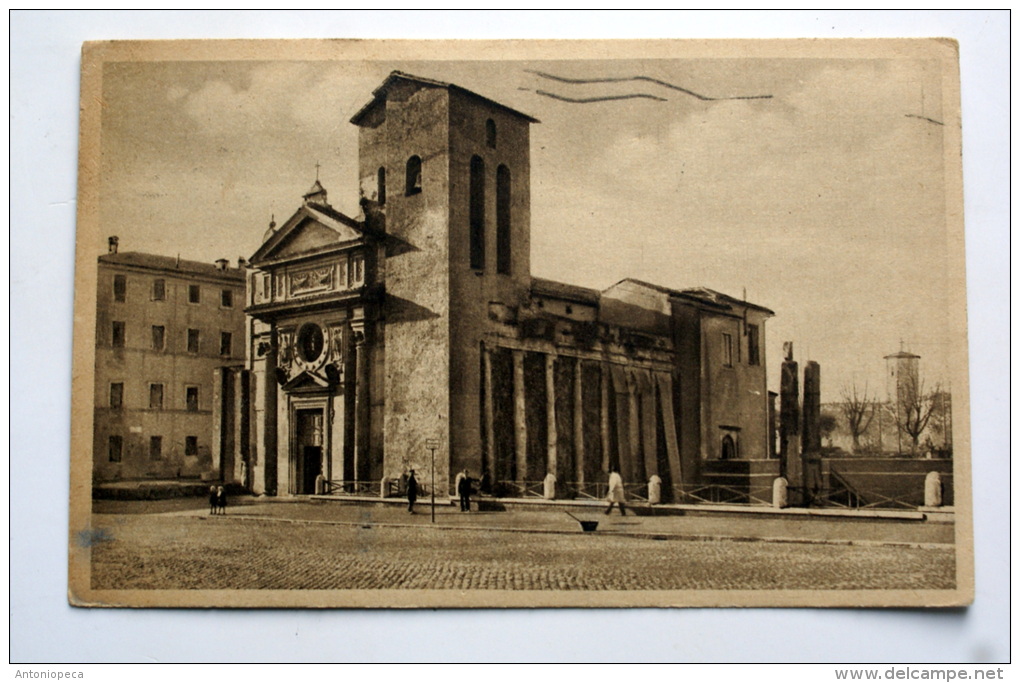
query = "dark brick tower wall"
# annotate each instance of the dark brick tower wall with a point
(413, 121)
(436, 308)
(471, 289)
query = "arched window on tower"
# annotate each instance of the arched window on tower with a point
(413, 184)
(503, 242)
(381, 182)
(490, 133)
(729, 448)
(476, 213)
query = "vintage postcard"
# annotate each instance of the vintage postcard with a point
(520, 324)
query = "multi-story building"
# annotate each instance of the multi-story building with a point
(163, 325)
(418, 329)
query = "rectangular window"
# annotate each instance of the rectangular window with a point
(227, 298)
(156, 396)
(753, 346)
(116, 447)
(727, 350)
(156, 448)
(192, 341)
(120, 288)
(118, 334)
(194, 294)
(191, 398)
(116, 394)
(226, 340)
(159, 290)
(191, 445)
(158, 337)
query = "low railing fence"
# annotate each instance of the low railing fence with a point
(519, 489)
(354, 488)
(847, 498)
(840, 493)
(716, 494)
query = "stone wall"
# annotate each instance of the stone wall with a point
(414, 121)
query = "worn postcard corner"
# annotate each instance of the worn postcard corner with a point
(527, 324)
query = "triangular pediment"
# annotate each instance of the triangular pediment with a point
(311, 228)
(307, 380)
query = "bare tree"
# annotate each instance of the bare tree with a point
(915, 408)
(858, 409)
(827, 424)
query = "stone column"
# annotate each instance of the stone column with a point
(649, 433)
(270, 462)
(241, 424)
(520, 423)
(489, 466)
(630, 468)
(552, 436)
(218, 416)
(361, 401)
(604, 415)
(579, 450)
(811, 435)
(789, 419)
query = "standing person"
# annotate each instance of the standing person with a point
(412, 491)
(221, 500)
(213, 500)
(456, 482)
(464, 491)
(616, 493)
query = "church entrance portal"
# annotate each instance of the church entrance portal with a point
(307, 452)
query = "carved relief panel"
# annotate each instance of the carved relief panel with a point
(312, 347)
(345, 273)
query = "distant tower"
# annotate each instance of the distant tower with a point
(901, 379)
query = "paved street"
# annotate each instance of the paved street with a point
(316, 545)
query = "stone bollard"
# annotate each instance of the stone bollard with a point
(320, 485)
(549, 486)
(654, 490)
(384, 488)
(933, 490)
(779, 495)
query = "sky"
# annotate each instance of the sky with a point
(824, 202)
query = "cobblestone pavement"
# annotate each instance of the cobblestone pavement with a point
(284, 546)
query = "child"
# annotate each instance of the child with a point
(213, 500)
(221, 500)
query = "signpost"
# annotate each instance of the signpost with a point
(432, 445)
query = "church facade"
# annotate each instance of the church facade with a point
(417, 330)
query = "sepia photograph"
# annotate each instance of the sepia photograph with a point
(414, 324)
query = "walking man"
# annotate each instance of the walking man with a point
(412, 492)
(616, 493)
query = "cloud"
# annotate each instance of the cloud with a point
(277, 98)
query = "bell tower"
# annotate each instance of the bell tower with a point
(449, 171)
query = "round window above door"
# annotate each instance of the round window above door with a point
(310, 343)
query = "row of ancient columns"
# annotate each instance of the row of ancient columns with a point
(636, 396)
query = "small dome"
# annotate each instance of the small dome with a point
(316, 195)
